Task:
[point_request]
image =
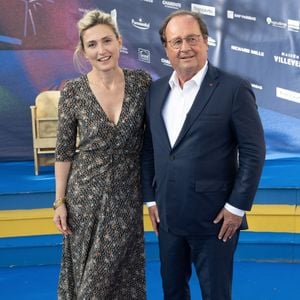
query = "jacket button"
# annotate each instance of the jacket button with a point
(172, 157)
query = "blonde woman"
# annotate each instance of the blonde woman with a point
(98, 205)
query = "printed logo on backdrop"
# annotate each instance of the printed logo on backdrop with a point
(257, 86)
(149, 1)
(140, 24)
(144, 55)
(171, 4)
(287, 95)
(114, 16)
(165, 62)
(124, 50)
(293, 25)
(212, 42)
(233, 15)
(247, 50)
(290, 59)
(204, 9)
(277, 24)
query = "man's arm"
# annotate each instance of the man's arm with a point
(249, 134)
(148, 174)
(251, 145)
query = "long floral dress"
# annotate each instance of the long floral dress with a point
(103, 258)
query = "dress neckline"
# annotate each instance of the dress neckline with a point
(99, 105)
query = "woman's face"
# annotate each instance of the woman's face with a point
(102, 47)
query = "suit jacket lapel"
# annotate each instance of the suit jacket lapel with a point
(207, 87)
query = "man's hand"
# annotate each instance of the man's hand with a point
(230, 225)
(60, 219)
(153, 214)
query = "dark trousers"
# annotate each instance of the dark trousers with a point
(212, 258)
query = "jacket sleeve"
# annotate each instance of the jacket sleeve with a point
(147, 158)
(249, 133)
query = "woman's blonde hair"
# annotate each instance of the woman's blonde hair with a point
(90, 19)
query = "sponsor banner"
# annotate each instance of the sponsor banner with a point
(289, 59)
(140, 24)
(247, 50)
(288, 95)
(204, 9)
(234, 15)
(144, 55)
(171, 4)
(258, 41)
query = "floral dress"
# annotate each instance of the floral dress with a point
(103, 258)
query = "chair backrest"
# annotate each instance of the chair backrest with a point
(46, 114)
(44, 117)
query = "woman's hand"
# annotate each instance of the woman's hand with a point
(60, 219)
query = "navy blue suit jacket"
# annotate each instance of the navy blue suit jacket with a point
(217, 158)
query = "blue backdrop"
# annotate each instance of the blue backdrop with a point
(259, 40)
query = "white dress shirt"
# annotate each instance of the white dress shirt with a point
(178, 104)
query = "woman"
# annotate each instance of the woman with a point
(98, 206)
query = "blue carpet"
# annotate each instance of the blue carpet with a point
(281, 173)
(259, 281)
(16, 177)
(252, 280)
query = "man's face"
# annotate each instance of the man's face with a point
(189, 58)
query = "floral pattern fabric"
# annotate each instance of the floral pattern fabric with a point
(103, 258)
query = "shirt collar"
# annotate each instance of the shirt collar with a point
(196, 79)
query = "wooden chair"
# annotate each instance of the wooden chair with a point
(44, 116)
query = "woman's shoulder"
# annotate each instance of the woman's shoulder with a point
(138, 75)
(74, 85)
(74, 82)
(72, 89)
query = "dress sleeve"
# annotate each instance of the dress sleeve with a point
(67, 124)
(146, 78)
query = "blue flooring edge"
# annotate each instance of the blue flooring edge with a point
(277, 173)
(21, 189)
(38, 200)
(253, 246)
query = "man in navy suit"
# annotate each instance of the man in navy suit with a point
(202, 159)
